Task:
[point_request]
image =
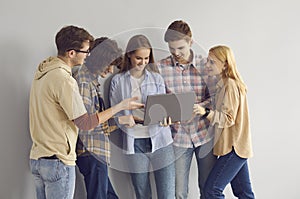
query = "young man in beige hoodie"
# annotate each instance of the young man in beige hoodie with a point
(56, 110)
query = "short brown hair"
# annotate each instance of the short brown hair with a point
(71, 37)
(178, 30)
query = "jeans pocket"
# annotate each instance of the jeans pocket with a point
(52, 170)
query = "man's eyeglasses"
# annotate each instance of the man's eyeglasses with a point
(81, 51)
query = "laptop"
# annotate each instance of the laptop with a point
(178, 106)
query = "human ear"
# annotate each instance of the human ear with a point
(71, 53)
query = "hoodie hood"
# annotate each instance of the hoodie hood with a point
(50, 64)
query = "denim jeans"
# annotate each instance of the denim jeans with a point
(229, 168)
(97, 182)
(205, 162)
(53, 179)
(160, 162)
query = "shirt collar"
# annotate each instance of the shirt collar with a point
(127, 73)
(192, 63)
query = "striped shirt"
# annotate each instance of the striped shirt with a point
(184, 78)
(93, 141)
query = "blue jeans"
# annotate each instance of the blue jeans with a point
(97, 183)
(205, 162)
(229, 168)
(53, 179)
(161, 162)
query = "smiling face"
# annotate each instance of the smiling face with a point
(214, 66)
(139, 59)
(181, 50)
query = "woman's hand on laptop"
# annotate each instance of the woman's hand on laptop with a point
(126, 120)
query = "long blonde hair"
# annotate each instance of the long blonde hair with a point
(225, 54)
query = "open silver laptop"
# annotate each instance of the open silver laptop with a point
(178, 106)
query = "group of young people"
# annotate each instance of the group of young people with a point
(71, 117)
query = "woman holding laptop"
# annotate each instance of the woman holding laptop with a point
(149, 148)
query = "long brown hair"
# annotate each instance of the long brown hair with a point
(225, 55)
(137, 42)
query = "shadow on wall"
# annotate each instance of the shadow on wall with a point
(15, 140)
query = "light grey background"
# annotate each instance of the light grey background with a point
(263, 34)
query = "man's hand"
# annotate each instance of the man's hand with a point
(130, 104)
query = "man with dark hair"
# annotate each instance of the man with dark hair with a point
(183, 71)
(93, 146)
(55, 109)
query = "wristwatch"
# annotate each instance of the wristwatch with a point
(207, 111)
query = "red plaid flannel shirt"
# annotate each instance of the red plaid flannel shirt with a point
(190, 77)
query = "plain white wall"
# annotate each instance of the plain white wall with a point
(263, 34)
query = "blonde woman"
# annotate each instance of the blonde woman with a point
(230, 120)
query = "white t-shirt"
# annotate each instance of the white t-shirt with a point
(139, 131)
